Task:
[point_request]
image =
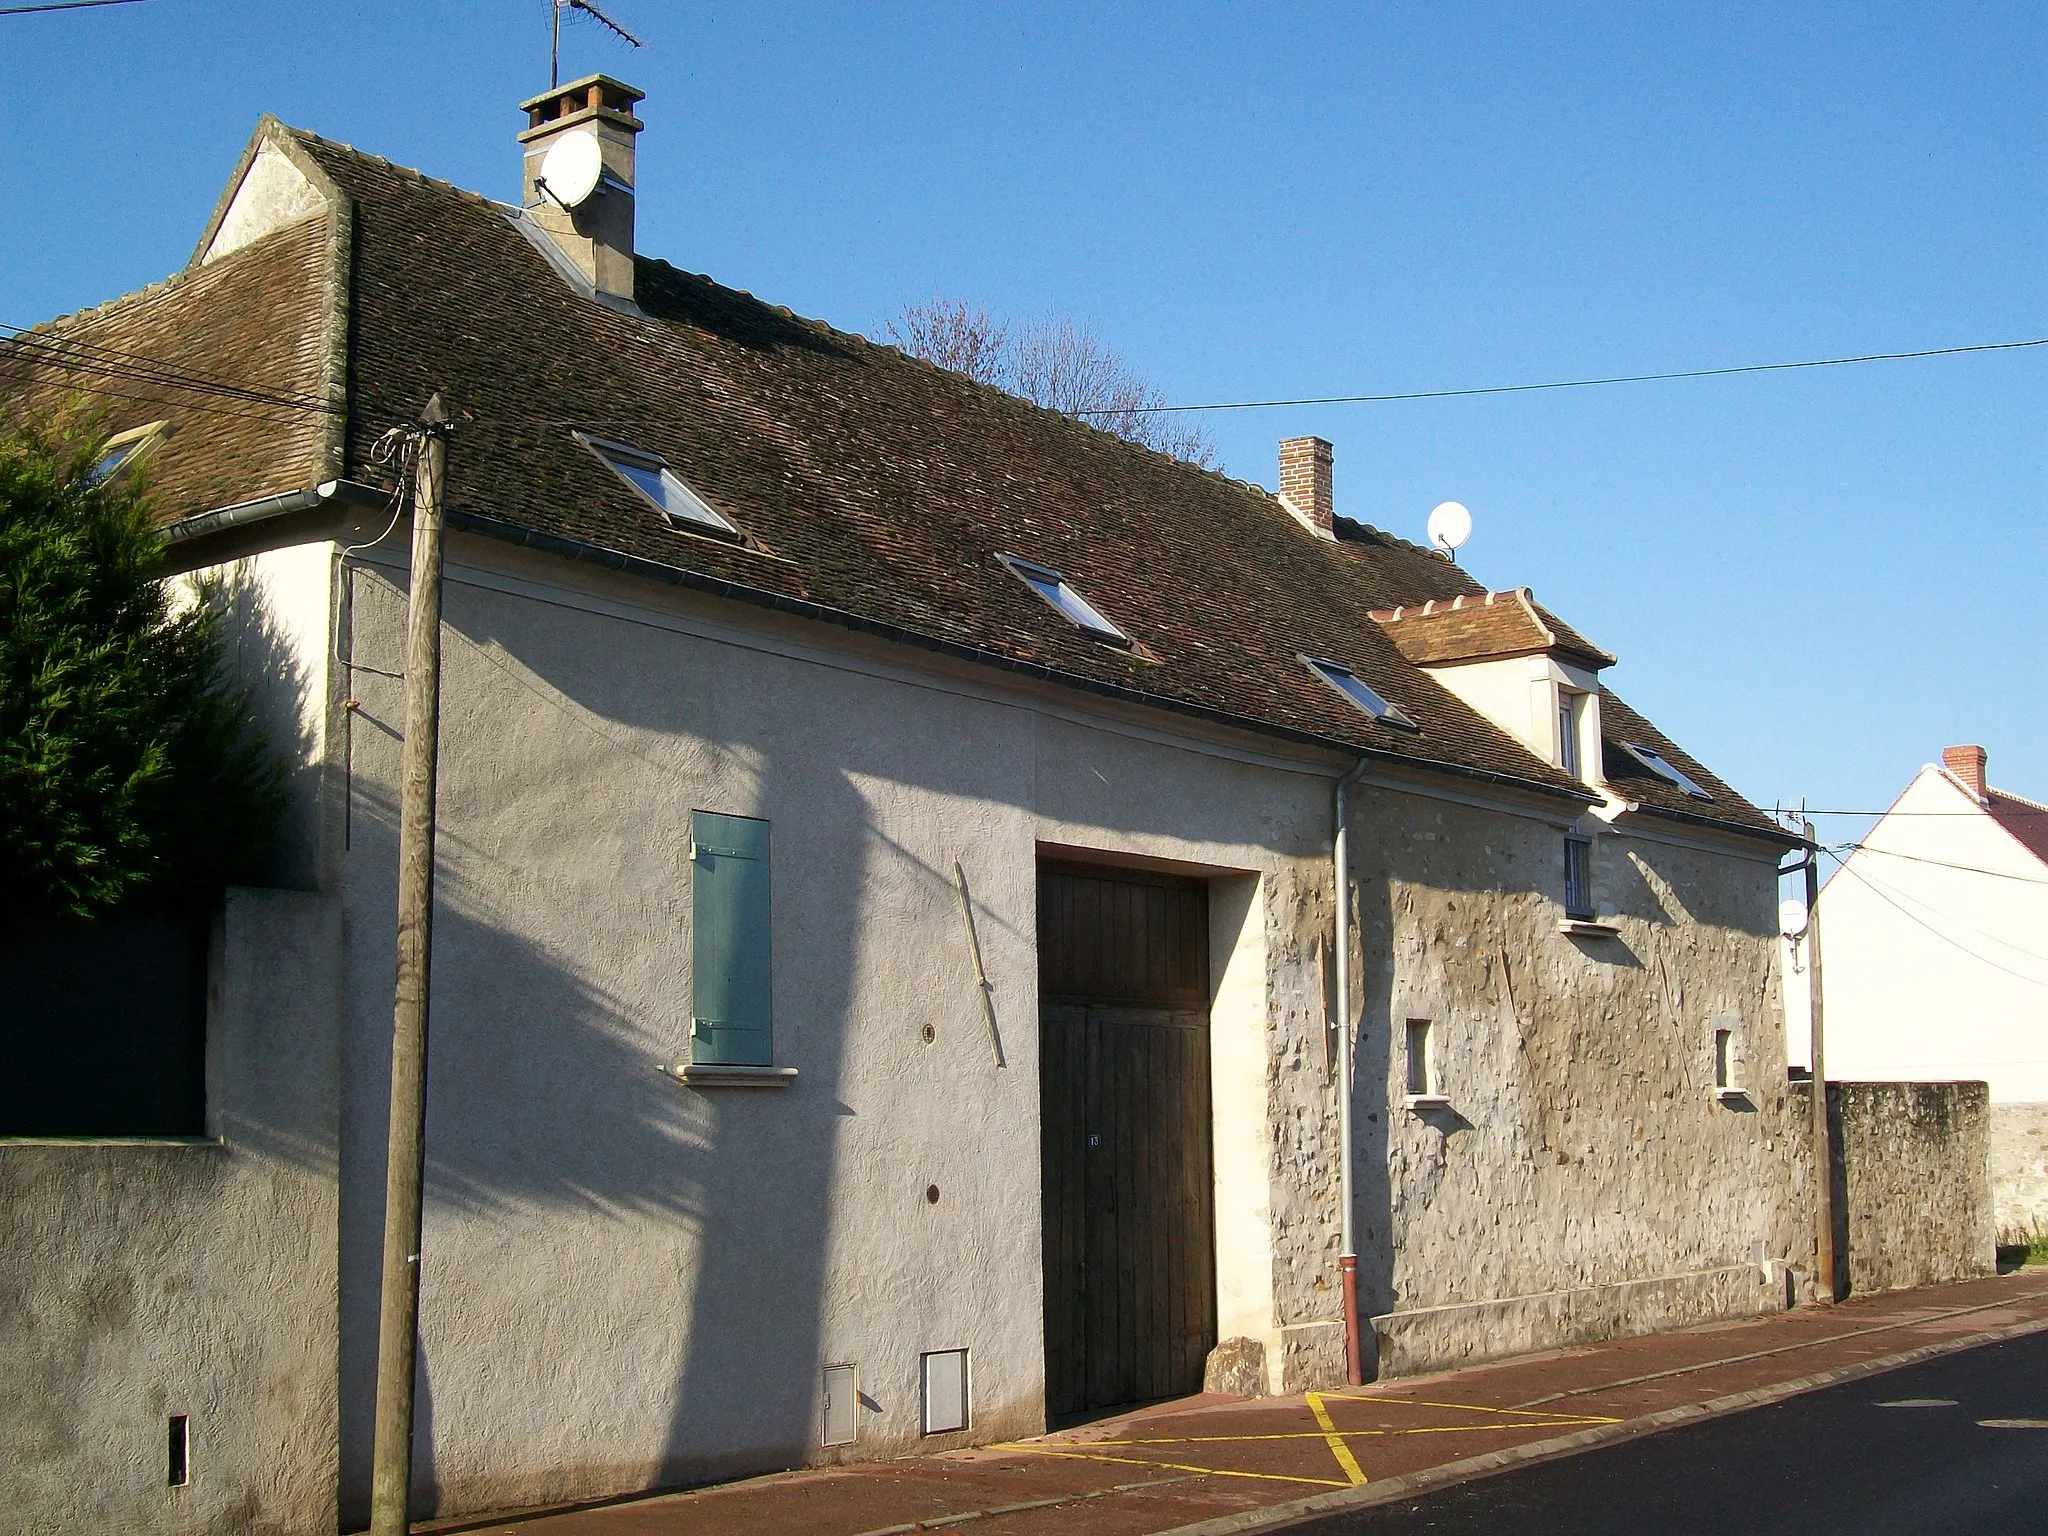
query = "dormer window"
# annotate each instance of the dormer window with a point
(1361, 693)
(1665, 769)
(649, 475)
(1059, 595)
(123, 449)
(1568, 732)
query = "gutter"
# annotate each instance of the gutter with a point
(1347, 1256)
(243, 513)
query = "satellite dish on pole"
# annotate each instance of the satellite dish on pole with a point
(1792, 917)
(571, 169)
(1450, 525)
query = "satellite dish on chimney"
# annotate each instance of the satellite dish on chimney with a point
(571, 169)
(1450, 525)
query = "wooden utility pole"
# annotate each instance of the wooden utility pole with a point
(1823, 1152)
(399, 1315)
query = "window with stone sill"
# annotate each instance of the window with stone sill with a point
(1578, 879)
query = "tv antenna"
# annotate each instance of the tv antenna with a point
(556, 7)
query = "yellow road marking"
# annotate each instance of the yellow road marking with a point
(1176, 1466)
(1336, 1443)
(1422, 1402)
(1564, 1422)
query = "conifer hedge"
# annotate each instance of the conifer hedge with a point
(132, 774)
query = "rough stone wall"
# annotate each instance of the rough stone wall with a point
(1583, 1143)
(1302, 1104)
(142, 1279)
(1912, 1181)
(2019, 1170)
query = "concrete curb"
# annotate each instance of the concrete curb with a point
(1410, 1484)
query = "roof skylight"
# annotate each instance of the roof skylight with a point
(1664, 768)
(1359, 692)
(649, 474)
(123, 449)
(1060, 596)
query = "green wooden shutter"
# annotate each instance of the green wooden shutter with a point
(729, 970)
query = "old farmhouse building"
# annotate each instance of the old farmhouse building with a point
(793, 687)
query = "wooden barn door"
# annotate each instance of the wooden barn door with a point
(1130, 1271)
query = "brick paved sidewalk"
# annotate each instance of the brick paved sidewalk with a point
(1229, 1464)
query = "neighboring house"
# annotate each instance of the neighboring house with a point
(1934, 962)
(772, 656)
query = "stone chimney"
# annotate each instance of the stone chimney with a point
(596, 235)
(1967, 764)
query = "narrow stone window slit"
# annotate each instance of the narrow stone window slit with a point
(177, 1451)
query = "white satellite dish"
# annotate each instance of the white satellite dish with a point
(572, 167)
(1450, 525)
(1792, 917)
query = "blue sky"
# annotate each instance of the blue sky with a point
(1813, 580)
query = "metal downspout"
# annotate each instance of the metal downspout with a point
(1347, 1258)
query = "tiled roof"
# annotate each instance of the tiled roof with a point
(2025, 820)
(217, 352)
(1485, 626)
(878, 489)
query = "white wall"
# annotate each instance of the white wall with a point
(626, 1282)
(1934, 971)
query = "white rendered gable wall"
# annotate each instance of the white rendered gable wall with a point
(273, 193)
(1934, 972)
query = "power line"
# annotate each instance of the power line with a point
(1523, 389)
(77, 356)
(61, 5)
(1879, 891)
(2011, 807)
(1968, 869)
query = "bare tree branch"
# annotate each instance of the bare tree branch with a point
(1055, 362)
(962, 337)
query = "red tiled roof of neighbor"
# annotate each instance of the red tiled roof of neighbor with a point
(2025, 820)
(878, 490)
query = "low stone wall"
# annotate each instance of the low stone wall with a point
(1912, 1182)
(1445, 1338)
(2019, 1170)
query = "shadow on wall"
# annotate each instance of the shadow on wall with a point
(603, 1231)
(260, 656)
(596, 1223)
(601, 1243)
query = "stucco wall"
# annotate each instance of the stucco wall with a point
(1583, 1146)
(145, 1279)
(629, 1283)
(1931, 951)
(2019, 1170)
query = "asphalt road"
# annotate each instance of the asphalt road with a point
(1838, 1460)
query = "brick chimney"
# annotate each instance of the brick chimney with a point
(1967, 764)
(1305, 483)
(597, 234)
